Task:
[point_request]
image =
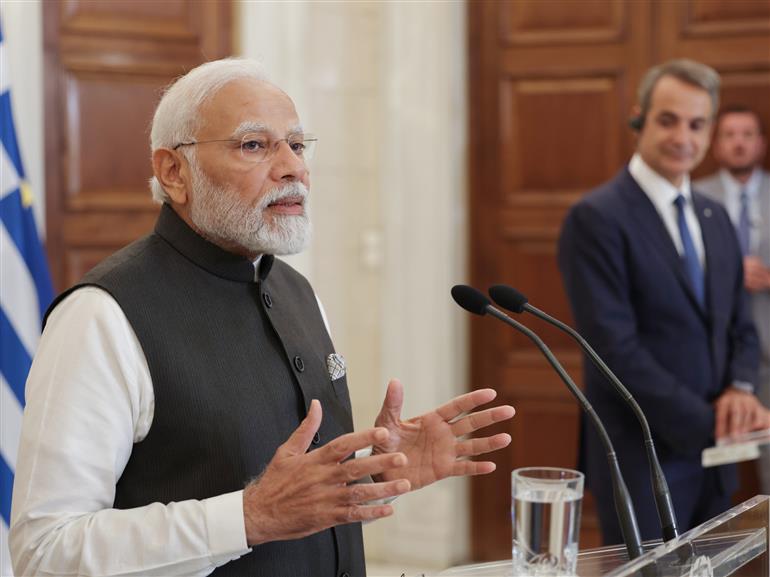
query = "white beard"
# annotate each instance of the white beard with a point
(222, 216)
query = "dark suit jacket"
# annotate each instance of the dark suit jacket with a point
(633, 302)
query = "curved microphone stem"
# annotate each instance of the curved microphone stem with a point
(659, 485)
(623, 505)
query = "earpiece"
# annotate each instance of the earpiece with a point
(636, 123)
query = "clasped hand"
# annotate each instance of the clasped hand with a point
(302, 492)
(738, 412)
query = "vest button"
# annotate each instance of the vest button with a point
(299, 364)
(344, 574)
(268, 300)
(317, 441)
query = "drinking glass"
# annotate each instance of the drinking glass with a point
(545, 512)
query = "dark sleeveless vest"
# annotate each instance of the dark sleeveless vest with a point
(235, 362)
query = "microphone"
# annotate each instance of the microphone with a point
(512, 300)
(475, 302)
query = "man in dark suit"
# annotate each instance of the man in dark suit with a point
(654, 277)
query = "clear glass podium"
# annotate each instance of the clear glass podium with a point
(734, 543)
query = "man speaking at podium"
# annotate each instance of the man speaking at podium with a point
(654, 277)
(186, 411)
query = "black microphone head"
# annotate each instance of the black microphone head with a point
(508, 298)
(470, 299)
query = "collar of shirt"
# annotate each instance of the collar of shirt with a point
(256, 262)
(662, 195)
(732, 188)
(659, 190)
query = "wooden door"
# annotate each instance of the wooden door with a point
(552, 85)
(105, 66)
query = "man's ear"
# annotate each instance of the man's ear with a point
(167, 165)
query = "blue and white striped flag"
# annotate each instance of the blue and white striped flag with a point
(25, 293)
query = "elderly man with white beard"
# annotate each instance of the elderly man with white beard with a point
(186, 412)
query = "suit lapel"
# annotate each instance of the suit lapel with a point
(645, 214)
(711, 245)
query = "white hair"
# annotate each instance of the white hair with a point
(176, 117)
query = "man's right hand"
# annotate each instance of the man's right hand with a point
(301, 493)
(756, 275)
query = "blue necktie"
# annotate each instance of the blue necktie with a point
(744, 225)
(690, 256)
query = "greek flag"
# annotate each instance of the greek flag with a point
(25, 293)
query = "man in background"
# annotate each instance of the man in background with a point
(743, 187)
(653, 273)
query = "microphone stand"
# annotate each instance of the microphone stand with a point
(504, 295)
(623, 504)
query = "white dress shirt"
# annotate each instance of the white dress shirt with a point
(732, 202)
(89, 399)
(662, 195)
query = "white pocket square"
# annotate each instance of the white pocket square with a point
(336, 366)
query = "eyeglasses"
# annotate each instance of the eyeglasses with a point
(259, 147)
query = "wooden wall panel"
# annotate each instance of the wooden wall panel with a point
(170, 19)
(545, 142)
(725, 17)
(105, 65)
(553, 84)
(533, 22)
(113, 175)
(725, 33)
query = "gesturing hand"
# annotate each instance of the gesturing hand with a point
(302, 493)
(430, 441)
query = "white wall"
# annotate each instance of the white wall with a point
(22, 23)
(383, 86)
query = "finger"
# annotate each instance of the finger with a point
(470, 468)
(355, 469)
(763, 419)
(476, 421)
(753, 412)
(737, 420)
(465, 403)
(756, 419)
(361, 493)
(361, 513)
(392, 404)
(474, 447)
(300, 439)
(742, 413)
(345, 445)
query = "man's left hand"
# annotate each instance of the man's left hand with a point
(739, 412)
(431, 441)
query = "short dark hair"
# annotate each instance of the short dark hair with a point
(689, 71)
(737, 108)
